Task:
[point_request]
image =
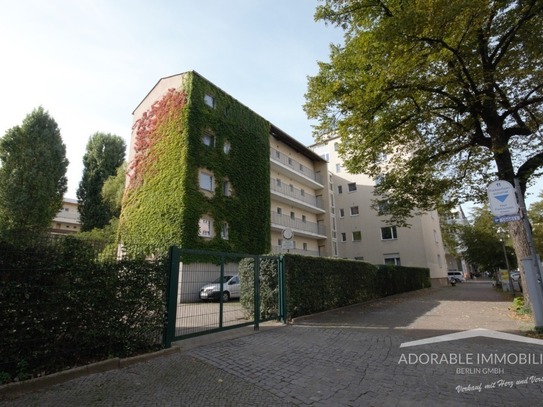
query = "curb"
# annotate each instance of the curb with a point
(13, 390)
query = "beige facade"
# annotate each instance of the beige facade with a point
(364, 235)
(300, 198)
(67, 219)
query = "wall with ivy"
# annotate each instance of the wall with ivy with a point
(163, 202)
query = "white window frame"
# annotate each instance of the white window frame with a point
(209, 100)
(226, 147)
(205, 227)
(358, 233)
(357, 210)
(206, 180)
(208, 139)
(225, 231)
(393, 233)
(351, 186)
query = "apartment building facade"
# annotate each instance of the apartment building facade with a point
(67, 219)
(206, 172)
(300, 198)
(364, 235)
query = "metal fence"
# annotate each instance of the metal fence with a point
(210, 291)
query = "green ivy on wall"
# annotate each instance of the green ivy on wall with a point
(163, 202)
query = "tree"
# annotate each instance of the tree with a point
(451, 91)
(113, 190)
(484, 244)
(536, 217)
(33, 179)
(104, 154)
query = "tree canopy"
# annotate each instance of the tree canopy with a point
(33, 179)
(104, 155)
(449, 90)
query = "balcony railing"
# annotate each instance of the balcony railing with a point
(294, 165)
(295, 193)
(278, 249)
(299, 224)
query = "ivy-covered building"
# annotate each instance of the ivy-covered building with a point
(202, 175)
(198, 173)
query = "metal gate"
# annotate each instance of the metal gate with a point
(211, 291)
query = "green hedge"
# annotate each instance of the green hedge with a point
(61, 307)
(317, 284)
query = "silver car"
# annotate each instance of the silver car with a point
(212, 291)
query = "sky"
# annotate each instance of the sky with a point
(90, 62)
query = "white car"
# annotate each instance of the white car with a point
(212, 291)
(457, 275)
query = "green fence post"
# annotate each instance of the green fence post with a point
(256, 270)
(221, 287)
(282, 287)
(171, 300)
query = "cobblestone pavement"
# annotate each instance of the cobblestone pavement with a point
(347, 357)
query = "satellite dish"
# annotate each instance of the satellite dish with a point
(287, 233)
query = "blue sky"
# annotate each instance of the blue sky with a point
(90, 62)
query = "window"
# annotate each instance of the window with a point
(354, 210)
(304, 245)
(336, 146)
(303, 218)
(352, 186)
(382, 207)
(326, 156)
(343, 237)
(208, 139)
(289, 161)
(291, 187)
(393, 259)
(302, 192)
(338, 168)
(279, 211)
(226, 188)
(209, 100)
(389, 233)
(277, 154)
(357, 236)
(206, 181)
(226, 147)
(292, 215)
(224, 231)
(278, 182)
(301, 168)
(204, 226)
(339, 189)
(341, 212)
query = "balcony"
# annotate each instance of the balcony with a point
(298, 226)
(285, 164)
(297, 197)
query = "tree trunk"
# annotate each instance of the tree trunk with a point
(522, 249)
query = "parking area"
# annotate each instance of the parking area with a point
(203, 316)
(353, 356)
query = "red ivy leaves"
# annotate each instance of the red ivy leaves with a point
(147, 134)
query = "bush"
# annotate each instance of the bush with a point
(269, 288)
(62, 307)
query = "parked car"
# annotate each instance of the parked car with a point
(457, 275)
(212, 291)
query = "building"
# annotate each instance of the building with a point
(206, 172)
(454, 261)
(299, 198)
(67, 219)
(364, 235)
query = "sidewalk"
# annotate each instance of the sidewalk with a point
(346, 357)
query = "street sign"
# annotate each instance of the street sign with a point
(506, 218)
(502, 199)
